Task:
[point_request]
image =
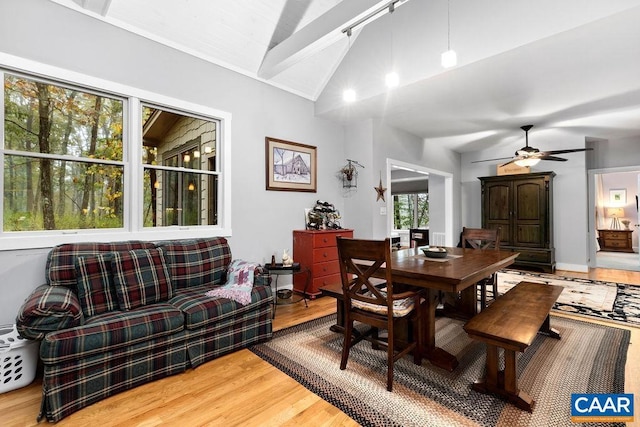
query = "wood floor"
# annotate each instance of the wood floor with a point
(242, 390)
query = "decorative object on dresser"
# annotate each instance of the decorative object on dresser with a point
(521, 205)
(323, 215)
(615, 240)
(615, 214)
(317, 251)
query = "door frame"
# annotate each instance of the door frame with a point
(591, 201)
(447, 197)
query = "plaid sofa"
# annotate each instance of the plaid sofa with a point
(113, 316)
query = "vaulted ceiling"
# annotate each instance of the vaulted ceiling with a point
(572, 64)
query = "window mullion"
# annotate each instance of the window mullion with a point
(133, 165)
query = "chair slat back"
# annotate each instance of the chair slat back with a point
(359, 261)
(481, 238)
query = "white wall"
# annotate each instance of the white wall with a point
(396, 144)
(263, 221)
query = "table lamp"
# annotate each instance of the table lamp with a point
(615, 214)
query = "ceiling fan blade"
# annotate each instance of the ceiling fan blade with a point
(510, 161)
(554, 158)
(491, 160)
(574, 150)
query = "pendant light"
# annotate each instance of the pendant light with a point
(391, 79)
(449, 58)
(349, 94)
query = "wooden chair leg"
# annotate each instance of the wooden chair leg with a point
(494, 286)
(483, 295)
(346, 345)
(390, 358)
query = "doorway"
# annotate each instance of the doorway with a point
(613, 218)
(440, 190)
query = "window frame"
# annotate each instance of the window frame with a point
(415, 208)
(133, 99)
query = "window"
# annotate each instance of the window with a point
(410, 210)
(63, 163)
(97, 157)
(180, 169)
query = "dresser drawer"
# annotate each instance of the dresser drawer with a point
(328, 239)
(613, 235)
(533, 256)
(325, 268)
(319, 282)
(325, 254)
(613, 243)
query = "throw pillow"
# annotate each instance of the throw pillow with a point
(96, 292)
(239, 282)
(140, 277)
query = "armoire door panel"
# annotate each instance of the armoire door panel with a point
(498, 207)
(528, 235)
(529, 204)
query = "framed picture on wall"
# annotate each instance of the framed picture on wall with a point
(618, 197)
(290, 166)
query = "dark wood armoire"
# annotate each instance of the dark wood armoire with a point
(522, 207)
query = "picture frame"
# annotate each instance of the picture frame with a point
(290, 166)
(618, 197)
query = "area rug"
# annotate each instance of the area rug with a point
(590, 358)
(616, 302)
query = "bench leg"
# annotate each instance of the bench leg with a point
(503, 383)
(547, 329)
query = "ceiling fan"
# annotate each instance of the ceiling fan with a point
(529, 156)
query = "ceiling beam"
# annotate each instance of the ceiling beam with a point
(315, 36)
(101, 7)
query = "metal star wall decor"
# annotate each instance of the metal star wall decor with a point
(380, 190)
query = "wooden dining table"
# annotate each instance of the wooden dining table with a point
(457, 274)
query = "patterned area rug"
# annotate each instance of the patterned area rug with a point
(589, 358)
(593, 298)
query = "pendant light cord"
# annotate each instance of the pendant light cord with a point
(448, 27)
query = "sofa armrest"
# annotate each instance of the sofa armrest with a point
(261, 277)
(48, 309)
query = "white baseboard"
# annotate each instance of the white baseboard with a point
(572, 267)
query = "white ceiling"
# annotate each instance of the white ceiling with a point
(571, 64)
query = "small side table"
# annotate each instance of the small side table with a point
(278, 270)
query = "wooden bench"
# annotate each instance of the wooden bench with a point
(512, 323)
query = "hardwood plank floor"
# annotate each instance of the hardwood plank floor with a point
(241, 389)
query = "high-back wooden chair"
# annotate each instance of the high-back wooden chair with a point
(375, 302)
(483, 238)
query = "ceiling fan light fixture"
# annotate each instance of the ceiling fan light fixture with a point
(530, 161)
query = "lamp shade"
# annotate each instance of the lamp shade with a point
(615, 212)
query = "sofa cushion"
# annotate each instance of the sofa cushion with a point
(200, 310)
(110, 331)
(96, 291)
(61, 260)
(47, 309)
(140, 277)
(196, 262)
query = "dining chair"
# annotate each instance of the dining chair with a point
(375, 302)
(483, 238)
(418, 237)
